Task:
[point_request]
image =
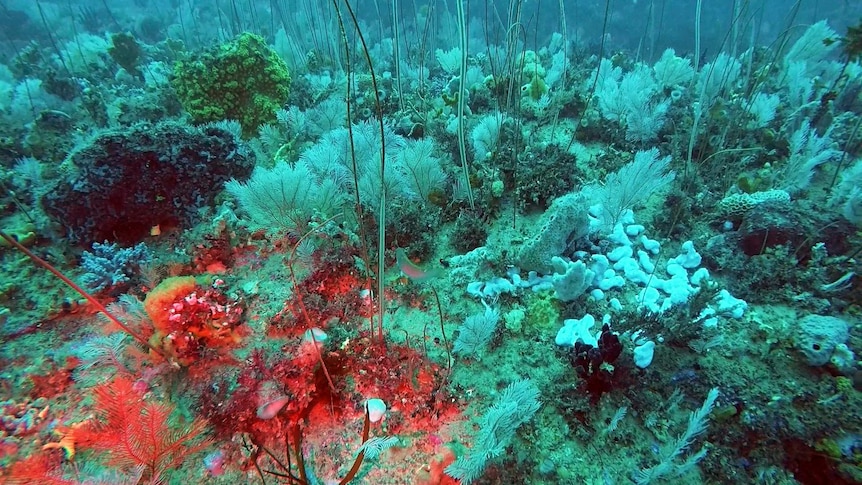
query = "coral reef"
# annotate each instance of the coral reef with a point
(429, 246)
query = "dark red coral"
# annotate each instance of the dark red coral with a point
(233, 408)
(412, 386)
(40, 468)
(129, 180)
(215, 255)
(54, 382)
(330, 292)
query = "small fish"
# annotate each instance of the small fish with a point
(271, 409)
(412, 271)
(215, 463)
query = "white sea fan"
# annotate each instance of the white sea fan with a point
(100, 357)
(852, 209)
(29, 98)
(606, 73)
(382, 54)
(556, 70)
(84, 53)
(807, 152)
(270, 137)
(157, 75)
(421, 169)
(284, 197)
(516, 405)
(129, 310)
(818, 41)
(632, 101)
(697, 423)
(393, 183)
(7, 89)
(6, 74)
(644, 122)
(848, 193)
(486, 134)
(473, 77)
(800, 88)
(671, 70)
(291, 119)
(449, 60)
(231, 126)
(290, 51)
(27, 172)
(632, 184)
(373, 447)
(763, 108)
(476, 331)
(718, 77)
(334, 157)
(615, 421)
(328, 162)
(328, 115)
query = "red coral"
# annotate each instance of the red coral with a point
(54, 382)
(332, 292)
(137, 433)
(434, 473)
(214, 256)
(411, 385)
(204, 319)
(296, 377)
(191, 319)
(38, 468)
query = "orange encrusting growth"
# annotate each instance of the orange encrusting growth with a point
(189, 319)
(159, 300)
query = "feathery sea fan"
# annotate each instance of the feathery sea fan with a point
(137, 433)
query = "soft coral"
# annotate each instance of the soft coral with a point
(138, 433)
(37, 468)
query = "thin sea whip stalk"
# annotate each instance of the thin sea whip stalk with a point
(93, 301)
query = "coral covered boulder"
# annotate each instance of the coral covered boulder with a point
(125, 182)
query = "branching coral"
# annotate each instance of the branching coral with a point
(111, 266)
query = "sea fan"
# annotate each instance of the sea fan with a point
(45, 470)
(137, 433)
(38, 468)
(100, 356)
(475, 333)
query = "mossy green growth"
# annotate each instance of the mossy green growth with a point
(536, 88)
(243, 80)
(844, 385)
(543, 312)
(749, 184)
(829, 447)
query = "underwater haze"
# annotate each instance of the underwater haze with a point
(430, 242)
